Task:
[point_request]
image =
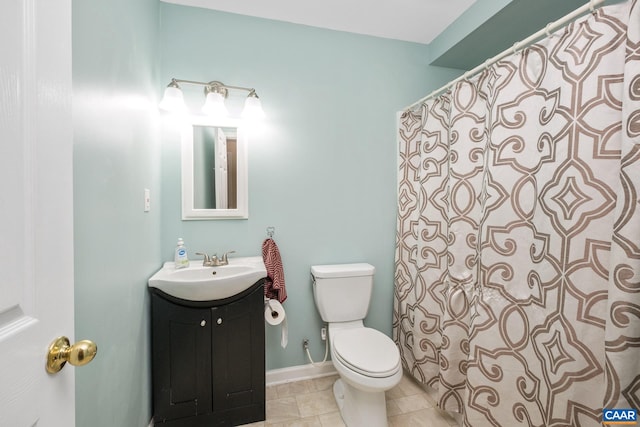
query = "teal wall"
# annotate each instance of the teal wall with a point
(323, 169)
(477, 14)
(117, 245)
(489, 27)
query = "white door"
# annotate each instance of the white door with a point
(36, 211)
(220, 163)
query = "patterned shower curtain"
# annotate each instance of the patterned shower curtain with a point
(517, 288)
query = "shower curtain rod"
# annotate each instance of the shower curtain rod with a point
(591, 6)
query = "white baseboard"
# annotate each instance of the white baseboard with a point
(297, 373)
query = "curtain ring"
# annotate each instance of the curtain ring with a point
(514, 49)
(592, 5)
(547, 29)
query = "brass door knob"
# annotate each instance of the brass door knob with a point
(60, 352)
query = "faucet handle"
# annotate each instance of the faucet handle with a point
(206, 259)
(225, 256)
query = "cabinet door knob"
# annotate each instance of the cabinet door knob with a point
(219, 321)
(203, 323)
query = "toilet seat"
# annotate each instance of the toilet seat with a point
(366, 351)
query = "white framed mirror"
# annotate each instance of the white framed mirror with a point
(214, 170)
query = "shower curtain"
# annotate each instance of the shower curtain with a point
(517, 288)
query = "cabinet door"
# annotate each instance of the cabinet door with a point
(181, 360)
(238, 353)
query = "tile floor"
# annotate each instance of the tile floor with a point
(310, 403)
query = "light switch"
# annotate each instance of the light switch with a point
(147, 200)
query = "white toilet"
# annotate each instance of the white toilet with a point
(367, 360)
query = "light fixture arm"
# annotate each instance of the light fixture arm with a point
(214, 84)
(215, 93)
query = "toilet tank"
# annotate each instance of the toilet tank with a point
(342, 291)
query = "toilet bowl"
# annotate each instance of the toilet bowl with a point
(367, 361)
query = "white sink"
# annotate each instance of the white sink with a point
(198, 283)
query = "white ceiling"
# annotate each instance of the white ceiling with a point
(409, 20)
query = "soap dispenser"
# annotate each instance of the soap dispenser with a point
(181, 259)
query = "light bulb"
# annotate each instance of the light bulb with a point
(214, 105)
(173, 100)
(253, 108)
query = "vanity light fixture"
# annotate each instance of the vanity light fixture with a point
(173, 100)
(215, 93)
(252, 107)
(214, 101)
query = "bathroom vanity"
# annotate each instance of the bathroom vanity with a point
(208, 359)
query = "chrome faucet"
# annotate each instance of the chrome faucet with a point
(206, 261)
(225, 257)
(213, 260)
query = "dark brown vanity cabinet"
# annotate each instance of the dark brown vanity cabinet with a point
(208, 366)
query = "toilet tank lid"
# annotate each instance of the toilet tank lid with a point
(342, 270)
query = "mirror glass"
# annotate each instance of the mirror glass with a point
(215, 167)
(214, 170)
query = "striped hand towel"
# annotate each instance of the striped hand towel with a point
(274, 285)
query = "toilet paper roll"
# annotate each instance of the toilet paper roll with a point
(275, 315)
